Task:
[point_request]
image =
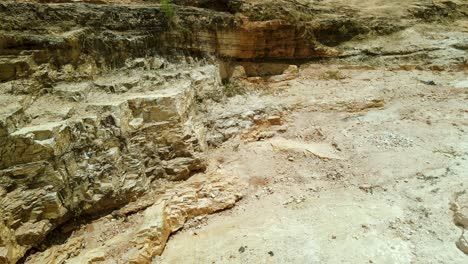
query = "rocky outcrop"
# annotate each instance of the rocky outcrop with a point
(460, 218)
(114, 141)
(100, 99)
(37, 39)
(150, 229)
(101, 35)
(35, 35)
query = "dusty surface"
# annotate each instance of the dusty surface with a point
(370, 167)
(386, 200)
(341, 123)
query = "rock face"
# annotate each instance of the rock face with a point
(150, 229)
(38, 40)
(460, 218)
(34, 35)
(101, 101)
(103, 35)
(115, 140)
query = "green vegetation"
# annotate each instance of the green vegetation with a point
(173, 20)
(167, 7)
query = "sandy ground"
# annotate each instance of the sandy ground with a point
(362, 170)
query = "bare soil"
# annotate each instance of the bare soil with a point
(358, 159)
(383, 197)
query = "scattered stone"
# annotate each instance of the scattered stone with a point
(228, 123)
(389, 140)
(366, 187)
(321, 150)
(230, 132)
(271, 253)
(238, 73)
(314, 189)
(136, 123)
(274, 120)
(290, 73)
(215, 138)
(429, 82)
(460, 211)
(248, 115)
(265, 135)
(462, 242)
(282, 129)
(335, 175)
(242, 249)
(294, 200)
(268, 190)
(245, 124)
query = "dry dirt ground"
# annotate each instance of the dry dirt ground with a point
(354, 164)
(363, 169)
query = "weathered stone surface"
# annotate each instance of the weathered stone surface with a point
(113, 35)
(12, 115)
(462, 243)
(460, 218)
(92, 118)
(290, 73)
(105, 153)
(151, 228)
(13, 68)
(73, 91)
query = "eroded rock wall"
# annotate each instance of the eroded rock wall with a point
(37, 35)
(100, 100)
(108, 150)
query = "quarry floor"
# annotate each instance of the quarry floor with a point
(357, 164)
(363, 169)
(359, 159)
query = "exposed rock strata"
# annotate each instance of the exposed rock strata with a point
(106, 151)
(45, 37)
(91, 116)
(151, 228)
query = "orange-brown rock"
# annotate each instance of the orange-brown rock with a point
(274, 39)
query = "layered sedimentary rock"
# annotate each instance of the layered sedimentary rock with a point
(106, 35)
(79, 137)
(90, 146)
(149, 229)
(99, 102)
